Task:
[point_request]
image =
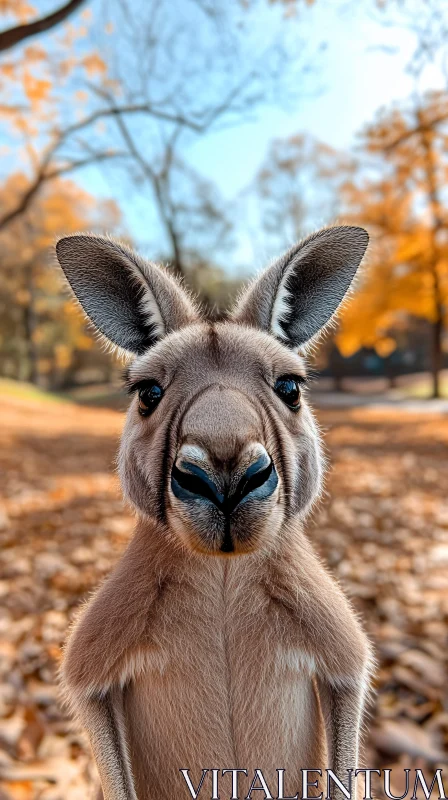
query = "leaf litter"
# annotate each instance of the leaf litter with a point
(382, 526)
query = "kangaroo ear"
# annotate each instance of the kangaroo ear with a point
(130, 301)
(297, 295)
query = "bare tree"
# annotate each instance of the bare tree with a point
(297, 187)
(54, 163)
(175, 71)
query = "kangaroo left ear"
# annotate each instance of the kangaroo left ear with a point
(296, 296)
(130, 301)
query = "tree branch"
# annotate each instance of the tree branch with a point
(13, 36)
(114, 111)
(43, 176)
(422, 128)
(136, 108)
(158, 182)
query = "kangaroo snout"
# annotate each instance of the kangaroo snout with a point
(223, 499)
(193, 479)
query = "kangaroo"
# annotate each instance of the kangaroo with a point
(220, 641)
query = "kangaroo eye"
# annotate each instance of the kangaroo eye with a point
(287, 388)
(149, 396)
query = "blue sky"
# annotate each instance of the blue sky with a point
(355, 78)
(362, 68)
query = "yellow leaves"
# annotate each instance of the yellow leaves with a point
(24, 11)
(14, 184)
(8, 69)
(35, 53)
(68, 306)
(348, 343)
(94, 64)
(65, 209)
(113, 86)
(9, 111)
(31, 80)
(400, 208)
(44, 365)
(393, 291)
(65, 66)
(23, 125)
(39, 334)
(19, 790)
(32, 154)
(22, 297)
(63, 356)
(21, 10)
(409, 248)
(385, 346)
(75, 327)
(109, 27)
(36, 89)
(84, 342)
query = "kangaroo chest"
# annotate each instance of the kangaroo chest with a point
(221, 684)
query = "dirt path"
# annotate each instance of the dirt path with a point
(383, 527)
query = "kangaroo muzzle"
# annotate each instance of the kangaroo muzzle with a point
(217, 497)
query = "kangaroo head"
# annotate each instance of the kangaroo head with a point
(219, 442)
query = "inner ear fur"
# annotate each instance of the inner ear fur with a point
(298, 294)
(130, 301)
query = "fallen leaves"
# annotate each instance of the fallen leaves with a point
(63, 526)
(383, 528)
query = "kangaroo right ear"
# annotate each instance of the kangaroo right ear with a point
(132, 302)
(295, 297)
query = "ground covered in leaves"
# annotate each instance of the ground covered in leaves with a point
(383, 528)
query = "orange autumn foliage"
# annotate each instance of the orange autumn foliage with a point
(403, 206)
(21, 10)
(40, 323)
(31, 78)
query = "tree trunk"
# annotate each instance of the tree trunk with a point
(390, 373)
(162, 197)
(438, 225)
(30, 324)
(392, 380)
(338, 382)
(436, 354)
(176, 263)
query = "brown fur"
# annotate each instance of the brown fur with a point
(187, 658)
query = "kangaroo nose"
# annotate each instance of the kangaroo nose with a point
(193, 478)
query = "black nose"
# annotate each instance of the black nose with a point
(191, 482)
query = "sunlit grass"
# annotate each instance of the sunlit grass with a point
(422, 388)
(27, 391)
(101, 395)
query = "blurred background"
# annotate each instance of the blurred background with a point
(211, 135)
